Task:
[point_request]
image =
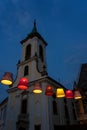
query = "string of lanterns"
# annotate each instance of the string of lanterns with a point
(7, 79)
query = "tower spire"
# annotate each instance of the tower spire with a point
(34, 27)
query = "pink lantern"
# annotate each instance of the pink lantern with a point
(77, 94)
(7, 78)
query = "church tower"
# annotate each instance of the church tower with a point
(33, 62)
(29, 111)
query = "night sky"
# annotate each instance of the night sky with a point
(63, 25)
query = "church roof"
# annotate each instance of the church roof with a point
(50, 80)
(34, 33)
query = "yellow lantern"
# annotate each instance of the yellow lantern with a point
(60, 93)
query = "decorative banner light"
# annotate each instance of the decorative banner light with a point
(60, 93)
(77, 94)
(7, 78)
(23, 83)
(49, 91)
(37, 88)
(69, 94)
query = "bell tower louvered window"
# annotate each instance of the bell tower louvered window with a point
(26, 70)
(28, 52)
(41, 52)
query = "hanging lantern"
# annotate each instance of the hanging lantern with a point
(69, 94)
(23, 83)
(77, 95)
(60, 93)
(49, 91)
(37, 88)
(7, 78)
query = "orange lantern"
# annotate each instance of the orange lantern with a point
(69, 94)
(23, 83)
(60, 93)
(77, 95)
(7, 78)
(37, 88)
(49, 91)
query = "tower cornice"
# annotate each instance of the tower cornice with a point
(34, 34)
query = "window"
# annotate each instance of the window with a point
(22, 128)
(55, 127)
(26, 70)
(41, 52)
(74, 114)
(37, 127)
(4, 113)
(55, 108)
(24, 104)
(28, 52)
(77, 107)
(66, 113)
(1, 114)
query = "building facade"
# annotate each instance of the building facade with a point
(82, 87)
(3, 112)
(29, 111)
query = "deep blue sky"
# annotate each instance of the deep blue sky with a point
(62, 23)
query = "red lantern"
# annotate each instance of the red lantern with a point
(69, 94)
(23, 83)
(49, 91)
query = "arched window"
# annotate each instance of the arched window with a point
(37, 127)
(28, 52)
(26, 70)
(66, 113)
(74, 113)
(55, 108)
(22, 128)
(41, 52)
(24, 104)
